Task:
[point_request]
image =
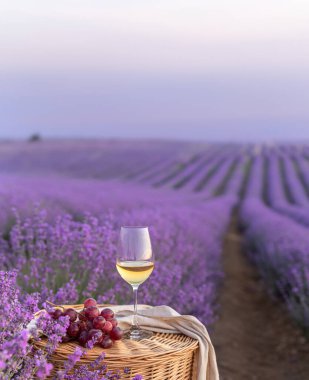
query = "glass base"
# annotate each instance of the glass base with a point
(137, 334)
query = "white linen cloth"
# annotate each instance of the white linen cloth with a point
(164, 319)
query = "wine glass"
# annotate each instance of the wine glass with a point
(135, 263)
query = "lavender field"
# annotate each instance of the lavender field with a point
(62, 204)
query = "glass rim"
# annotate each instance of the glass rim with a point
(134, 227)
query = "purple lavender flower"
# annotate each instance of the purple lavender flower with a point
(279, 248)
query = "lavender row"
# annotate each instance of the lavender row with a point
(255, 184)
(235, 183)
(277, 196)
(296, 188)
(279, 248)
(216, 179)
(303, 167)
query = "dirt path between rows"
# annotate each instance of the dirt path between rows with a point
(254, 338)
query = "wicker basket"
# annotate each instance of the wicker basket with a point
(162, 357)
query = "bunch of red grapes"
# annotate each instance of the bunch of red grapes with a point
(91, 325)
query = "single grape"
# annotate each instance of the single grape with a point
(99, 322)
(106, 342)
(90, 302)
(96, 334)
(116, 333)
(83, 338)
(92, 312)
(71, 313)
(82, 316)
(83, 325)
(114, 322)
(108, 327)
(56, 314)
(73, 329)
(89, 325)
(107, 314)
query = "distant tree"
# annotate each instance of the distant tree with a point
(35, 137)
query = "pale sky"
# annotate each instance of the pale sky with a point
(214, 69)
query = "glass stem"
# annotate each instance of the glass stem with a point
(135, 322)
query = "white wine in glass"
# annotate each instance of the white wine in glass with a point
(135, 263)
(135, 272)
